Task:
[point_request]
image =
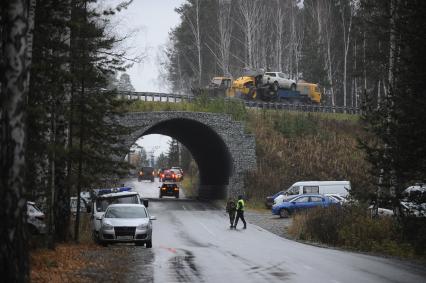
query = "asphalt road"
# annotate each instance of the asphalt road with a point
(148, 189)
(192, 242)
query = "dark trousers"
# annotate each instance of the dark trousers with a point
(231, 217)
(240, 215)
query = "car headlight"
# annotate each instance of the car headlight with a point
(107, 226)
(142, 226)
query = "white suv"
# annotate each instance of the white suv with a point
(279, 80)
(102, 201)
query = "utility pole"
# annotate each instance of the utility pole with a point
(151, 154)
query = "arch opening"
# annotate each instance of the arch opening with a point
(209, 151)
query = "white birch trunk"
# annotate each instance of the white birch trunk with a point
(346, 43)
(224, 15)
(195, 30)
(14, 81)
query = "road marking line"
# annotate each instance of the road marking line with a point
(205, 227)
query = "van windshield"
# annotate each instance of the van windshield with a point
(103, 203)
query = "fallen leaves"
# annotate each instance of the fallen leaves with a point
(61, 264)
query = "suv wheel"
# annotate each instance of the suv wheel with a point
(149, 244)
(284, 213)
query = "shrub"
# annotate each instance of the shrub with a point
(353, 228)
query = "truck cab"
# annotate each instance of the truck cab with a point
(311, 91)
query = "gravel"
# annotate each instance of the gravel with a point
(272, 223)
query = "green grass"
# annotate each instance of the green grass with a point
(235, 108)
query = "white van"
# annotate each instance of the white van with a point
(341, 188)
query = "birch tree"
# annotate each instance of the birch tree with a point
(346, 14)
(194, 24)
(279, 36)
(225, 30)
(251, 15)
(328, 37)
(14, 76)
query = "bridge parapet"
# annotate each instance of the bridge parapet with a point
(275, 105)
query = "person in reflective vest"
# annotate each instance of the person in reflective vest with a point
(231, 209)
(240, 212)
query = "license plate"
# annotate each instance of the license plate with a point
(124, 237)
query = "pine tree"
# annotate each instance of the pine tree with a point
(96, 131)
(173, 154)
(398, 154)
(124, 83)
(49, 90)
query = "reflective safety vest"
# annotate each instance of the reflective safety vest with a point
(240, 205)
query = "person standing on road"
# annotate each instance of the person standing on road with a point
(240, 212)
(231, 209)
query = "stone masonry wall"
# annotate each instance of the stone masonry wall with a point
(241, 146)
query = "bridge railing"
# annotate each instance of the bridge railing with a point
(176, 98)
(155, 96)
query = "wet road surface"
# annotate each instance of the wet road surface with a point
(148, 189)
(192, 242)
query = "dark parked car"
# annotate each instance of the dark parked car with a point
(146, 173)
(269, 201)
(302, 202)
(169, 190)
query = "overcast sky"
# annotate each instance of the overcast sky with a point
(149, 23)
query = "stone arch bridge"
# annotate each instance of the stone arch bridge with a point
(223, 151)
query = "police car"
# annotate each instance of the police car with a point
(102, 198)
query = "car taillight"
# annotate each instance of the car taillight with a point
(163, 188)
(173, 175)
(153, 174)
(141, 173)
(176, 189)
